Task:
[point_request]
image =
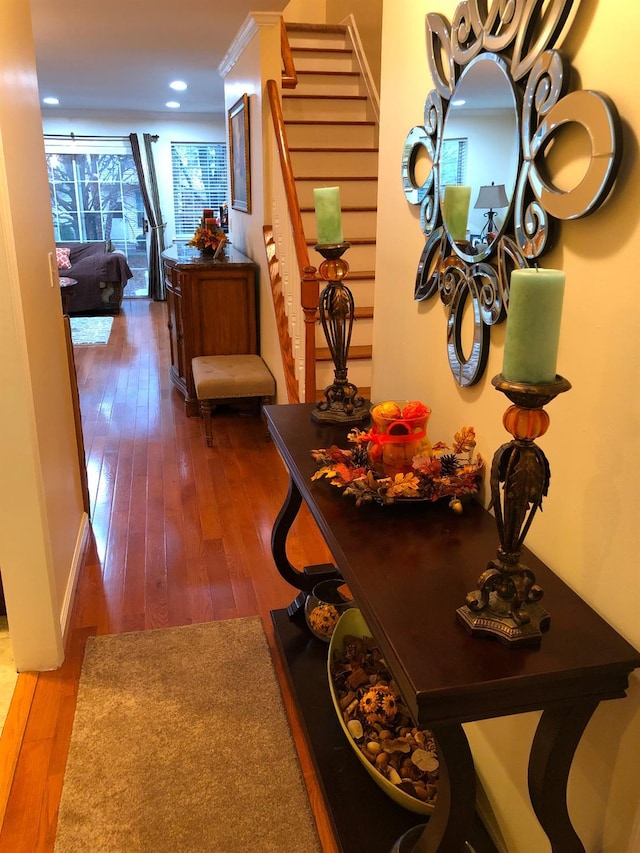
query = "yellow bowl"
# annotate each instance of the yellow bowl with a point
(352, 622)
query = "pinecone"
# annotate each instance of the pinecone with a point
(359, 456)
(449, 463)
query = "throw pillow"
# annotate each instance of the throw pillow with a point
(62, 256)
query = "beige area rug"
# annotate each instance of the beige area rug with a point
(180, 743)
(90, 330)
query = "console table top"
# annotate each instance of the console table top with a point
(186, 257)
(409, 568)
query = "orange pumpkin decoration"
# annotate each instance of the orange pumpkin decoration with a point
(525, 423)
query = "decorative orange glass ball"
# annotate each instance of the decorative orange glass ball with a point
(525, 423)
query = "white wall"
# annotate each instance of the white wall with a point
(173, 129)
(306, 11)
(368, 18)
(41, 512)
(588, 532)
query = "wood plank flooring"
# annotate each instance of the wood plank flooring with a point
(180, 534)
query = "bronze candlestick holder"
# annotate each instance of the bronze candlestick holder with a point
(342, 403)
(505, 605)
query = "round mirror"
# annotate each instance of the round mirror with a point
(481, 151)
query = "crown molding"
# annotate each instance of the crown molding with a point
(253, 23)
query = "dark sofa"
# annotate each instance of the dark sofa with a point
(102, 275)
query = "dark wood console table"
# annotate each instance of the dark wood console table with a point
(409, 568)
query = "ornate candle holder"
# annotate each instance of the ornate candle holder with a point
(342, 403)
(505, 604)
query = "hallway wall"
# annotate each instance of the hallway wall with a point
(41, 511)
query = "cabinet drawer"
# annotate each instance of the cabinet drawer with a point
(172, 278)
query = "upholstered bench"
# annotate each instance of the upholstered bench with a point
(229, 377)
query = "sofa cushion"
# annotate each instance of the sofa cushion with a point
(62, 257)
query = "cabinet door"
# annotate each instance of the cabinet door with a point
(176, 338)
(224, 311)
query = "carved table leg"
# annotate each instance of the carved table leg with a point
(303, 580)
(554, 745)
(450, 825)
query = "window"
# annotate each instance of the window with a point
(453, 161)
(200, 180)
(95, 193)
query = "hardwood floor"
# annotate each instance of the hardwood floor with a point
(180, 534)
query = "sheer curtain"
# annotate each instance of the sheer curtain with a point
(151, 201)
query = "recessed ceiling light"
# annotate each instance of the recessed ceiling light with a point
(178, 85)
(172, 105)
(50, 101)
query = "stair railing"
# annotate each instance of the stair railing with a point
(289, 75)
(310, 289)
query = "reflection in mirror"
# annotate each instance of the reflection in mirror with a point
(484, 114)
(532, 152)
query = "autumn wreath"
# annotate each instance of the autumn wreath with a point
(435, 472)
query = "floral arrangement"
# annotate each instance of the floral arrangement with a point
(435, 472)
(208, 238)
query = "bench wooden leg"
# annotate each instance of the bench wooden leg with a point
(205, 409)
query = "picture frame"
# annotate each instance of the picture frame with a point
(239, 155)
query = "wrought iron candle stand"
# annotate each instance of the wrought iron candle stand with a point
(505, 604)
(342, 402)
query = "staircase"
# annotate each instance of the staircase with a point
(332, 130)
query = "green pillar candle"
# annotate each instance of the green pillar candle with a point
(533, 325)
(328, 215)
(455, 210)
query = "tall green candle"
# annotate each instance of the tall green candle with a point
(533, 325)
(455, 210)
(328, 215)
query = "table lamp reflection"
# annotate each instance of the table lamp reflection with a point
(490, 197)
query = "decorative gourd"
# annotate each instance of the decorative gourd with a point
(525, 423)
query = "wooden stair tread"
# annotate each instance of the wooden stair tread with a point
(344, 51)
(335, 178)
(357, 275)
(333, 122)
(355, 353)
(362, 312)
(363, 392)
(301, 27)
(303, 73)
(360, 275)
(316, 150)
(345, 208)
(291, 96)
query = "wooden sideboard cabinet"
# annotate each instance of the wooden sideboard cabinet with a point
(212, 309)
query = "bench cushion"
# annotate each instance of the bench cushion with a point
(219, 377)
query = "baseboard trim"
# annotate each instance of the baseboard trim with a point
(74, 573)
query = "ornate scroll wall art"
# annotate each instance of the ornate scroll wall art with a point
(501, 101)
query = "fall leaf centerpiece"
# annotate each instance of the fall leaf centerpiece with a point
(208, 238)
(394, 460)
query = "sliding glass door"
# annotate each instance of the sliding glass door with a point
(95, 196)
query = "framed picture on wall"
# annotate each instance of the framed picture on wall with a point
(239, 155)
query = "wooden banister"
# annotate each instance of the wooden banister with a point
(295, 216)
(309, 283)
(289, 75)
(282, 323)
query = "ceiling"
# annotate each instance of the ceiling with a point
(121, 55)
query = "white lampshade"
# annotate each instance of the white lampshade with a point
(492, 196)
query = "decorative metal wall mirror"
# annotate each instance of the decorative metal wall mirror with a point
(502, 122)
